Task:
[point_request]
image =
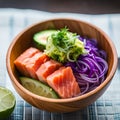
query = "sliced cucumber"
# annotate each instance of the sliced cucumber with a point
(38, 87)
(40, 38)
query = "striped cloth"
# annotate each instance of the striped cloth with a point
(107, 107)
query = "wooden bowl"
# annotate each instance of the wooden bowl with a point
(24, 40)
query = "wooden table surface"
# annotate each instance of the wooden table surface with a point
(74, 6)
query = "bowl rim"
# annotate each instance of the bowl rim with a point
(101, 86)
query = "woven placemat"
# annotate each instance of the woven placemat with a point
(107, 107)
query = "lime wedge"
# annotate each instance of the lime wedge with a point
(7, 102)
(38, 87)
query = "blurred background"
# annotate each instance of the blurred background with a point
(74, 6)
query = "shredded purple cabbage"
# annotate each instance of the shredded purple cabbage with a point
(90, 69)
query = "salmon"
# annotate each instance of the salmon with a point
(46, 69)
(64, 82)
(29, 61)
(35, 62)
(21, 60)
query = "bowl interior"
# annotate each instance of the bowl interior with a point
(25, 38)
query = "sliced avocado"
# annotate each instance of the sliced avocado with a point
(40, 38)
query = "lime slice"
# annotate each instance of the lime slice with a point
(7, 102)
(38, 87)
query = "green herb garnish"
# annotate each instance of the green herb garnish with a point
(64, 46)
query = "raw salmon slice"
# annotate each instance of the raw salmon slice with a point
(35, 62)
(64, 82)
(21, 60)
(46, 69)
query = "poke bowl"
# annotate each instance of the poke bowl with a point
(80, 97)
